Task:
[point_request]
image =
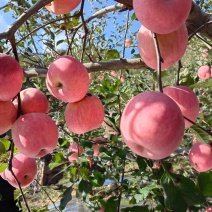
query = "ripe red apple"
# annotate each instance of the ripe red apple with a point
(77, 149)
(204, 72)
(35, 134)
(59, 7)
(84, 115)
(96, 148)
(8, 114)
(11, 77)
(33, 100)
(162, 16)
(67, 79)
(152, 125)
(172, 46)
(24, 168)
(209, 209)
(186, 100)
(127, 43)
(200, 156)
(113, 73)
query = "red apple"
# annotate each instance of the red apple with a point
(75, 147)
(204, 72)
(67, 79)
(162, 16)
(35, 134)
(200, 156)
(11, 77)
(186, 100)
(209, 209)
(172, 46)
(84, 115)
(152, 125)
(33, 100)
(73, 157)
(96, 148)
(113, 73)
(59, 7)
(24, 168)
(8, 114)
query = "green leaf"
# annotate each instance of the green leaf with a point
(205, 84)
(141, 163)
(112, 54)
(67, 197)
(98, 179)
(173, 199)
(205, 183)
(6, 143)
(73, 173)
(111, 205)
(2, 149)
(136, 209)
(3, 166)
(200, 134)
(85, 186)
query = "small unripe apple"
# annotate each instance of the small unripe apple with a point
(204, 72)
(35, 134)
(172, 46)
(84, 115)
(152, 125)
(59, 7)
(186, 100)
(127, 43)
(200, 156)
(11, 77)
(8, 114)
(162, 16)
(67, 79)
(24, 168)
(33, 100)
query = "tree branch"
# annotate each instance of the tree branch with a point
(24, 17)
(95, 67)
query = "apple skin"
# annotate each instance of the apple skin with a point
(186, 100)
(209, 209)
(35, 134)
(24, 168)
(84, 115)
(8, 114)
(11, 76)
(172, 46)
(77, 149)
(204, 72)
(67, 79)
(59, 7)
(200, 156)
(162, 16)
(152, 125)
(33, 100)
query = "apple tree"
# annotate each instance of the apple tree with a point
(114, 97)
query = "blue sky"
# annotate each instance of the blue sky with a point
(6, 19)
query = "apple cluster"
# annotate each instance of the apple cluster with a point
(167, 20)
(68, 80)
(32, 106)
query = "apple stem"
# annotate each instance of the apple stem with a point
(207, 131)
(159, 61)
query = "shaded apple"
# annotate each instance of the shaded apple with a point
(35, 134)
(33, 100)
(204, 72)
(8, 114)
(186, 100)
(24, 168)
(152, 125)
(96, 148)
(67, 79)
(59, 7)
(172, 46)
(162, 16)
(11, 77)
(84, 115)
(200, 156)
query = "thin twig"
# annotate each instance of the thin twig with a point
(159, 61)
(178, 72)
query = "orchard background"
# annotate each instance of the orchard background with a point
(103, 36)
